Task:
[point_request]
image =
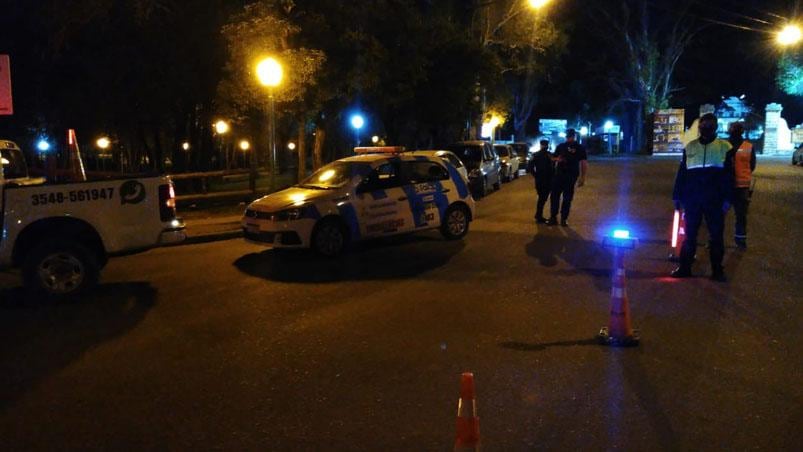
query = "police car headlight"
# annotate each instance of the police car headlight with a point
(289, 214)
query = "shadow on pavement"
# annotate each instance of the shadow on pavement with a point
(38, 339)
(552, 243)
(525, 347)
(391, 258)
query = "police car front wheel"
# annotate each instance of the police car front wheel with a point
(329, 238)
(455, 223)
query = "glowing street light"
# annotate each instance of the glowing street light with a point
(185, 145)
(789, 35)
(103, 143)
(291, 146)
(538, 4)
(269, 73)
(43, 145)
(375, 139)
(357, 123)
(244, 145)
(222, 127)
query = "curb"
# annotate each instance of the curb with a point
(207, 238)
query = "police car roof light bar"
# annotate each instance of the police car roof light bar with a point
(379, 150)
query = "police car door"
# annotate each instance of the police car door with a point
(426, 185)
(382, 205)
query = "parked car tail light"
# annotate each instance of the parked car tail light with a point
(167, 202)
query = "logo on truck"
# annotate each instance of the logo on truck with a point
(132, 192)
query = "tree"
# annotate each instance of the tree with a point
(525, 44)
(790, 74)
(254, 33)
(650, 43)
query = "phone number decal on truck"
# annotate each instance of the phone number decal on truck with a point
(94, 194)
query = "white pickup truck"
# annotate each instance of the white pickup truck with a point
(61, 235)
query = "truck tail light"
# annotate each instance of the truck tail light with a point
(167, 202)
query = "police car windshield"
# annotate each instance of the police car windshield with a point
(13, 163)
(331, 176)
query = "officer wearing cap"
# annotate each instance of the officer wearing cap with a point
(570, 169)
(541, 167)
(703, 188)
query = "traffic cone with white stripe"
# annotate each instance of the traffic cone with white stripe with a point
(619, 331)
(76, 164)
(468, 424)
(678, 235)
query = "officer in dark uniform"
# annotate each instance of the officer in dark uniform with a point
(542, 168)
(570, 169)
(703, 188)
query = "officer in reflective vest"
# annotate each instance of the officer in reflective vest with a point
(703, 188)
(741, 160)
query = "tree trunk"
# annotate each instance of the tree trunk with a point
(302, 149)
(317, 152)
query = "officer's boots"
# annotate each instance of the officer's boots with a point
(717, 253)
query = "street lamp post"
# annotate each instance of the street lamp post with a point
(103, 144)
(357, 122)
(222, 128)
(269, 72)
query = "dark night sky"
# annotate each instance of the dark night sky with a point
(722, 61)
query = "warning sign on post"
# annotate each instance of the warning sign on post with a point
(6, 107)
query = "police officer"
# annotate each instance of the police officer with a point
(741, 160)
(703, 188)
(570, 169)
(542, 168)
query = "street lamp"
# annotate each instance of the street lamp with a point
(375, 139)
(789, 35)
(185, 145)
(43, 145)
(222, 127)
(357, 122)
(291, 146)
(103, 144)
(244, 145)
(270, 73)
(538, 4)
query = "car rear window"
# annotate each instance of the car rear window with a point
(467, 153)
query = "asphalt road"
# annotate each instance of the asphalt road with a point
(227, 346)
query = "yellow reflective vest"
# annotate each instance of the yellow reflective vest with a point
(711, 155)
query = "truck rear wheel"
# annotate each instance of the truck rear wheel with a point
(58, 269)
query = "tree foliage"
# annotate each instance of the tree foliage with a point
(253, 34)
(790, 74)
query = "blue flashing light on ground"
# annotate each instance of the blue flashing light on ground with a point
(621, 234)
(620, 239)
(43, 145)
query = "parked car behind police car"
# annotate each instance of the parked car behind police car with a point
(449, 156)
(378, 193)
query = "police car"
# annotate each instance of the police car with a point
(379, 192)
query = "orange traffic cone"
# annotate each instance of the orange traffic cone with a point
(619, 332)
(468, 424)
(678, 235)
(76, 165)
